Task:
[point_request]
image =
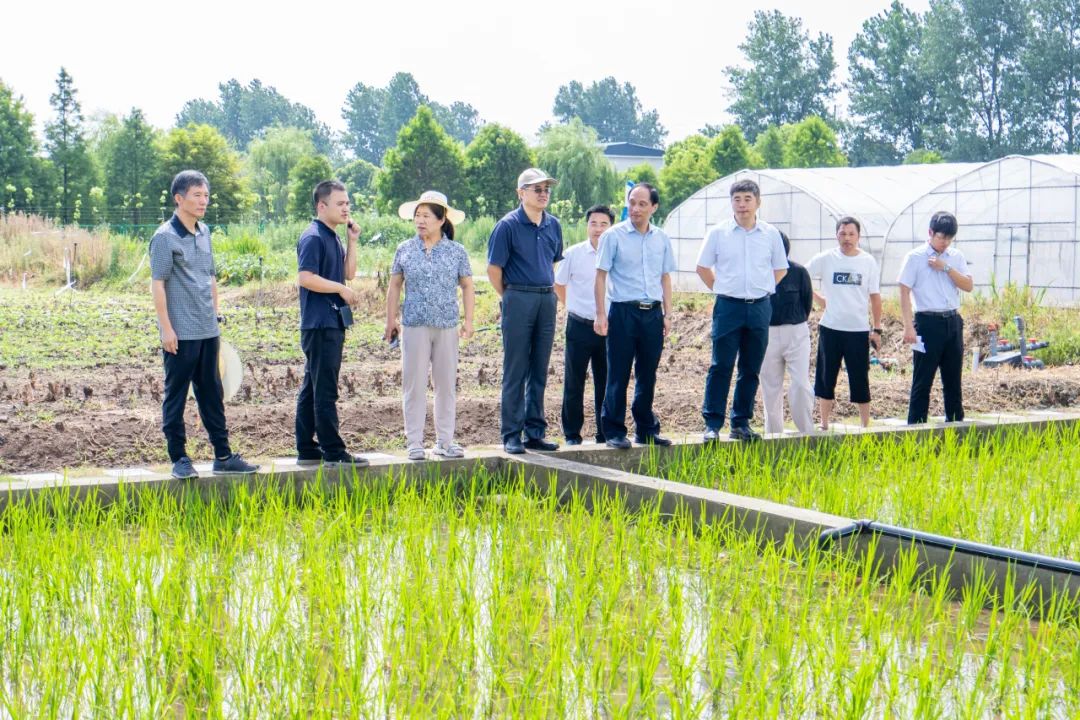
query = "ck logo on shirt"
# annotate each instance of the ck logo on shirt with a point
(847, 278)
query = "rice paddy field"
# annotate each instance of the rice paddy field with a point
(480, 597)
(1013, 487)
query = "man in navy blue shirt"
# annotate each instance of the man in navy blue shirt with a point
(522, 252)
(324, 266)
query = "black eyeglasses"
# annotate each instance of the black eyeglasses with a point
(541, 189)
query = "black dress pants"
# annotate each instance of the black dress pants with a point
(195, 363)
(583, 347)
(316, 405)
(943, 337)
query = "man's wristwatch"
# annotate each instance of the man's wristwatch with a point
(221, 319)
(947, 268)
(876, 330)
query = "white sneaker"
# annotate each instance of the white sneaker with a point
(453, 450)
(417, 453)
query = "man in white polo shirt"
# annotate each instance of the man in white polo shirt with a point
(574, 283)
(740, 261)
(934, 275)
(850, 282)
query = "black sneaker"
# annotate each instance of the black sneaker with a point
(657, 440)
(346, 460)
(743, 434)
(513, 446)
(233, 465)
(309, 461)
(619, 443)
(573, 441)
(182, 469)
(541, 444)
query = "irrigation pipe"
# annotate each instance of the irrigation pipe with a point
(955, 545)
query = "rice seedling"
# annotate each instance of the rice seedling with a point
(473, 598)
(1012, 487)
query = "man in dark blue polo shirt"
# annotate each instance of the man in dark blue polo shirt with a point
(324, 266)
(522, 252)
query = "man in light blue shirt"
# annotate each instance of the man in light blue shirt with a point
(741, 260)
(633, 272)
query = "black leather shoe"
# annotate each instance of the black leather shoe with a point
(572, 441)
(541, 444)
(743, 434)
(658, 440)
(514, 446)
(618, 443)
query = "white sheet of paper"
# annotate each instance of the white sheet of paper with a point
(918, 345)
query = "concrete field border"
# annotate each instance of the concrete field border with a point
(597, 471)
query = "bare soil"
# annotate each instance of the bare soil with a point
(110, 415)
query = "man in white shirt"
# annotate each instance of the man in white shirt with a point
(574, 283)
(849, 280)
(740, 261)
(934, 275)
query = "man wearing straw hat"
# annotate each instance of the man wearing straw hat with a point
(522, 252)
(184, 287)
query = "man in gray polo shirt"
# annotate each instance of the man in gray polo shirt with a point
(184, 288)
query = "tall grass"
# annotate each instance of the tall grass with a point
(448, 601)
(1012, 487)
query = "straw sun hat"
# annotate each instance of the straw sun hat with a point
(431, 197)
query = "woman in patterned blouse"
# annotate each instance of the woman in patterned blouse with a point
(431, 267)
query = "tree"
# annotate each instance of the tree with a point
(892, 96)
(788, 77)
(425, 158)
(687, 169)
(923, 157)
(374, 116)
(204, 148)
(460, 120)
(66, 144)
(572, 154)
(642, 173)
(133, 169)
(1052, 64)
(729, 152)
(244, 113)
(493, 161)
(771, 145)
(270, 161)
(303, 178)
(974, 50)
(813, 144)
(358, 175)
(363, 106)
(612, 110)
(18, 151)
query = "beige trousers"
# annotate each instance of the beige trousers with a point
(789, 348)
(426, 348)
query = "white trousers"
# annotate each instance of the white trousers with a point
(426, 348)
(789, 348)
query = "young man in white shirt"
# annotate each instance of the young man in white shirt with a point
(574, 282)
(933, 275)
(850, 283)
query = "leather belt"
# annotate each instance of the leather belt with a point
(530, 288)
(747, 301)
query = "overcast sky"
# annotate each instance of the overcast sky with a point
(507, 59)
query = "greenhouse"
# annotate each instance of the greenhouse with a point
(1018, 216)
(1018, 223)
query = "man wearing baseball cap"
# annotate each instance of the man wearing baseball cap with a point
(522, 252)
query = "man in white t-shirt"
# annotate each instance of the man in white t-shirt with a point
(850, 283)
(575, 281)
